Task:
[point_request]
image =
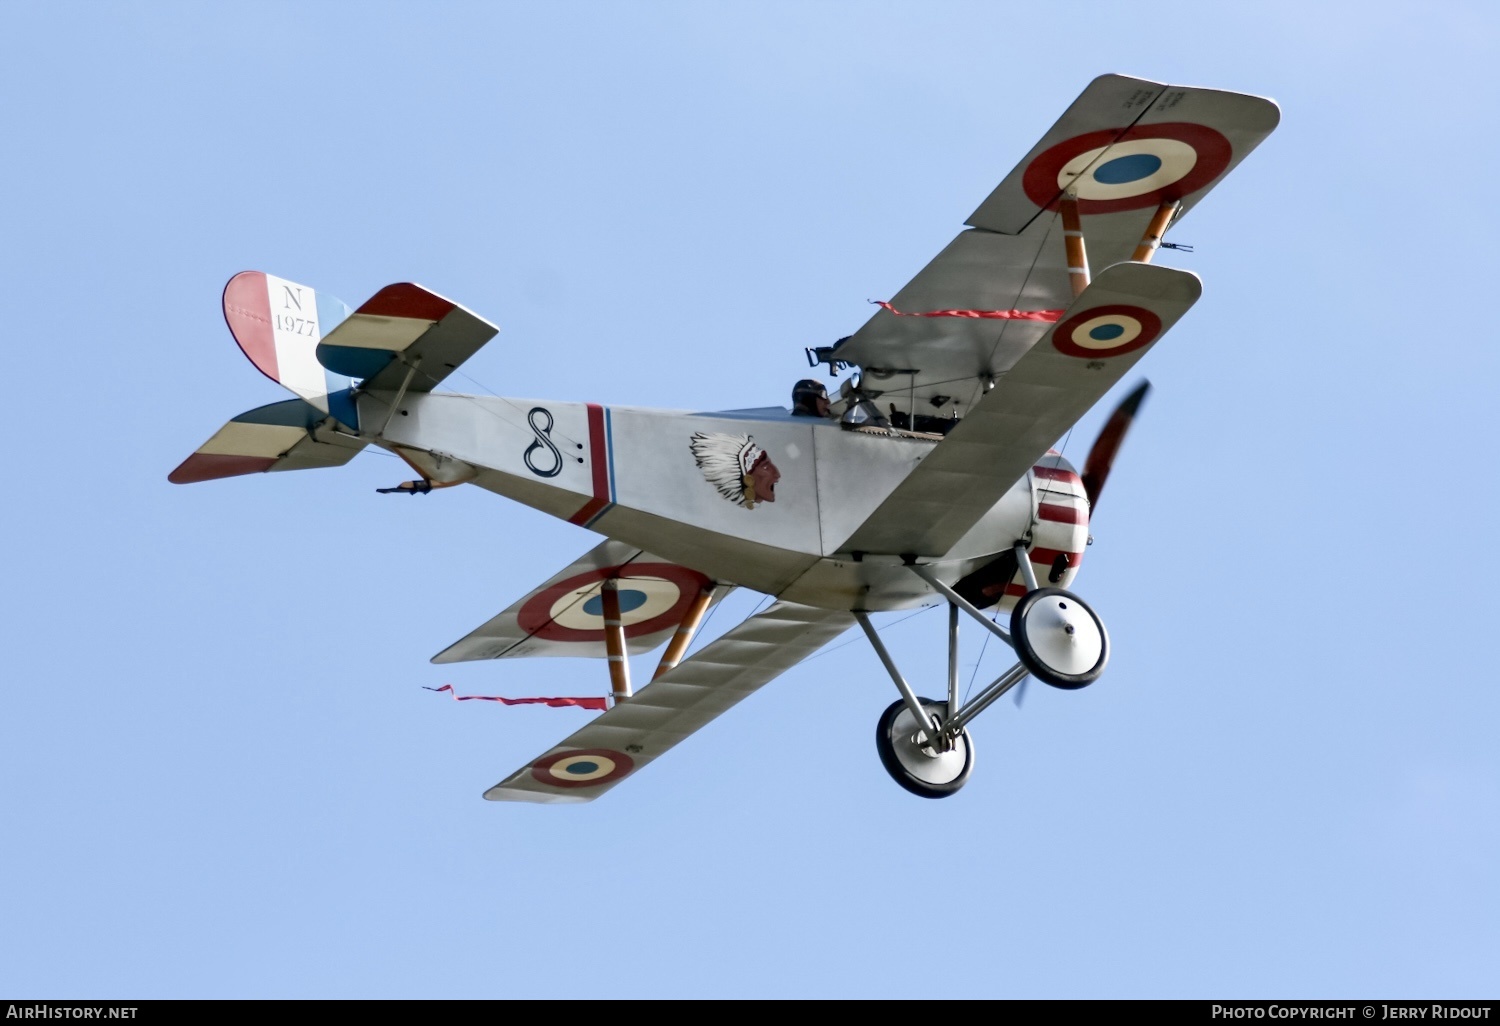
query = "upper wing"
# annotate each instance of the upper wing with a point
(565, 615)
(290, 435)
(1102, 335)
(664, 712)
(1126, 145)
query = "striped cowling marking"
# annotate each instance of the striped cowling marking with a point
(1046, 557)
(1041, 562)
(1060, 514)
(1058, 474)
(1059, 529)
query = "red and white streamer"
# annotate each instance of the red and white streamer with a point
(601, 704)
(996, 315)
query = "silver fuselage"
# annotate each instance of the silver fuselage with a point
(666, 482)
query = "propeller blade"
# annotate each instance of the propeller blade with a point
(1019, 691)
(1102, 455)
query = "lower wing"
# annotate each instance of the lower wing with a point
(635, 732)
(564, 616)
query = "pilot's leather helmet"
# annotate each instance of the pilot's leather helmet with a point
(805, 395)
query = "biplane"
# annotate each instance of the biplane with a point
(928, 477)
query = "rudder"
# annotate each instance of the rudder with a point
(278, 324)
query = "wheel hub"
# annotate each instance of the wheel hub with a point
(1058, 638)
(1063, 635)
(930, 767)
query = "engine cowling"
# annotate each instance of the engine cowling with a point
(1057, 535)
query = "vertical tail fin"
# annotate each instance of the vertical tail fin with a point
(278, 325)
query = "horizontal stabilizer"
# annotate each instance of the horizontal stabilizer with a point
(565, 615)
(289, 435)
(401, 327)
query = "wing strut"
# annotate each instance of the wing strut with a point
(1151, 241)
(614, 637)
(1077, 250)
(691, 621)
(1078, 257)
(614, 641)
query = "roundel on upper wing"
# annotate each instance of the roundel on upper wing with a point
(1144, 166)
(582, 767)
(1106, 331)
(653, 597)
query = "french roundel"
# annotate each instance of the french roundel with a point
(1143, 166)
(582, 767)
(1106, 331)
(653, 597)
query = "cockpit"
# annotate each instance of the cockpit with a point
(879, 400)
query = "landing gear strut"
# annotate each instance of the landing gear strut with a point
(924, 744)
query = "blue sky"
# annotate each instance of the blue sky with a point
(220, 774)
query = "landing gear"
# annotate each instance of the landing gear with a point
(928, 768)
(1058, 638)
(924, 744)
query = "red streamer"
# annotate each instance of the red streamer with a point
(997, 315)
(600, 704)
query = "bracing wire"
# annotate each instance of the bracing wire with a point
(845, 644)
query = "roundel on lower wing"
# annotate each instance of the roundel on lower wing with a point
(1142, 166)
(1105, 331)
(653, 597)
(583, 767)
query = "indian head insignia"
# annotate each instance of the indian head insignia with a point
(741, 470)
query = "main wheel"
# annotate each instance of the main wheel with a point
(1059, 638)
(913, 764)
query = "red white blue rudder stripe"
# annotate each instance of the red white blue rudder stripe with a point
(278, 325)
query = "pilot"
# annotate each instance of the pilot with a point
(809, 398)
